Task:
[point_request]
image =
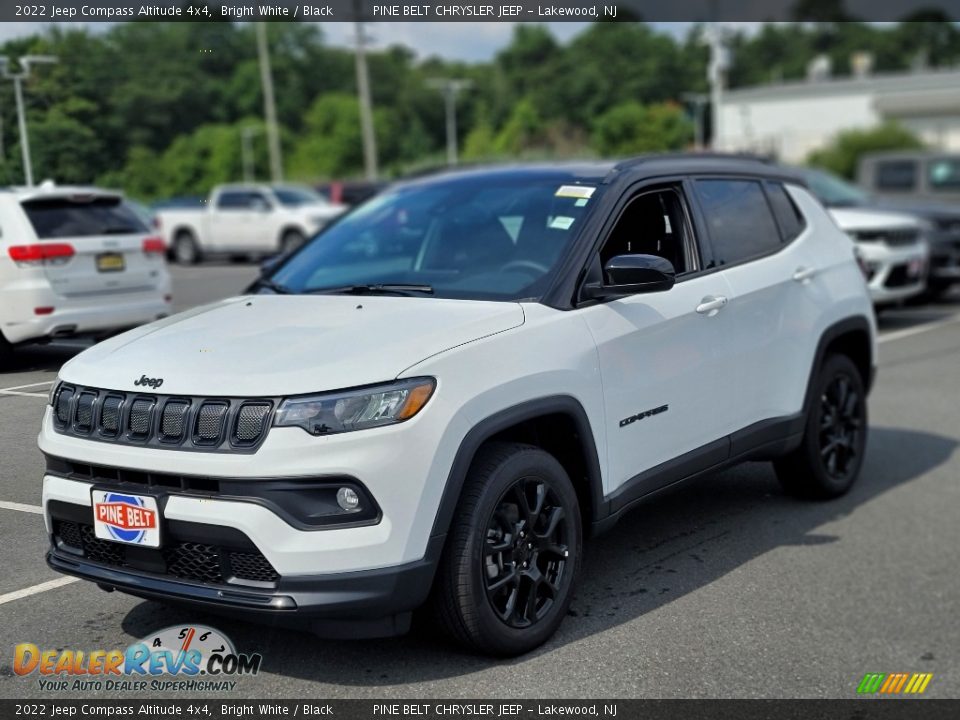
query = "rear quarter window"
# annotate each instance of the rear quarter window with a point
(81, 217)
(788, 217)
(739, 218)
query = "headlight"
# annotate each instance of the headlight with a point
(53, 391)
(359, 409)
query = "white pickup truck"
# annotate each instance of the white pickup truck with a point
(247, 219)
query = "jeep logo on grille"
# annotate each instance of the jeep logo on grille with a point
(149, 382)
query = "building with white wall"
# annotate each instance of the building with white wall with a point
(792, 118)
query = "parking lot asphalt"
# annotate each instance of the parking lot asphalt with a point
(722, 588)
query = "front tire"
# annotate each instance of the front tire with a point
(507, 574)
(830, 456)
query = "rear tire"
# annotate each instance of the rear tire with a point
(830, 455)
(291, 241)
(508, 570)
(6, 353)
(186, 251)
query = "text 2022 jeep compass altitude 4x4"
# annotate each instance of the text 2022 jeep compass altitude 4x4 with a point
(444, 392)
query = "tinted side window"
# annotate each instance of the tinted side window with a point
(788, 216)
(896, 174)
(944, 174)
(739, 217)
(234, 200)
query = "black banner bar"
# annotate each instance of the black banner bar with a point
(470, 11)
(860, 709)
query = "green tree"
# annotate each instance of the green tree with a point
(843, 154)
(631, 128)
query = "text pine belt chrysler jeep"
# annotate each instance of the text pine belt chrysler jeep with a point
(440, 396)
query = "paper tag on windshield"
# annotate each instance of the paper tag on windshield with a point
(575, 191)
(561, 222)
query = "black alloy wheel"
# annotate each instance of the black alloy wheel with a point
(525, 553)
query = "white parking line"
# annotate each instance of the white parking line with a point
(18, 390)
(907, 332)
(35, 509)
(35, 589)
(16, 393)
(21, 387)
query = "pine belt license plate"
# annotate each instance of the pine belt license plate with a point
(125, 518)
(110, 262)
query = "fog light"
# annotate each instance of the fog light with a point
(348, 499)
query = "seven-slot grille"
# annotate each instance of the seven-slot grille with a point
(186, 423)
(893, 238)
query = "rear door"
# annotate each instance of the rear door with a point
(102, 246)
(757, 235)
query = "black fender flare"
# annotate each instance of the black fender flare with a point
(499, 421)
(856, 323)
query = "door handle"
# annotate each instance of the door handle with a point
(803, 274)
(711, 305)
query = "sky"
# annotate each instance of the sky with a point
(457, 40)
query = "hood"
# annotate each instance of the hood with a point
(927, 208)
(858, 219)
(270, 345)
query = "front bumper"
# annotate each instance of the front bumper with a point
(217, 568)
(896, 274)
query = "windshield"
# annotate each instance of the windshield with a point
(295, 196)
(833, 191)
(476, 238)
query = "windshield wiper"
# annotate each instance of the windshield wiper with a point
(276, 287)
(376, 289)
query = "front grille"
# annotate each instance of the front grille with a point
(252, 566)
(173, 421)
(186, 560)
(140, 418)
(195, 561)
(209, 429)
(208, 425)
(892, 238)
(250, 421)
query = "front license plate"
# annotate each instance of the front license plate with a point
(131, 519)
(110, 262)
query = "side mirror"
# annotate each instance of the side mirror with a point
(633, 274)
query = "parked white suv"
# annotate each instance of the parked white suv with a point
(892, 246)
(75, 261)
(447, 390)
(249, 219)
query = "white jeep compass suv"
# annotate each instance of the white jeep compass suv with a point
(444, 393)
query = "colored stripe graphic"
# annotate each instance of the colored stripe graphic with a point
(894, 683)
(871, 682)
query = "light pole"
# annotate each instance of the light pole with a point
(717, 76)
(25, 62)
(246, 151)
(363, 92)
(698, 101)
(269, 103)
(449, 88)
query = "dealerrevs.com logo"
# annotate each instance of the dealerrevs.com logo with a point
(186, 658)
